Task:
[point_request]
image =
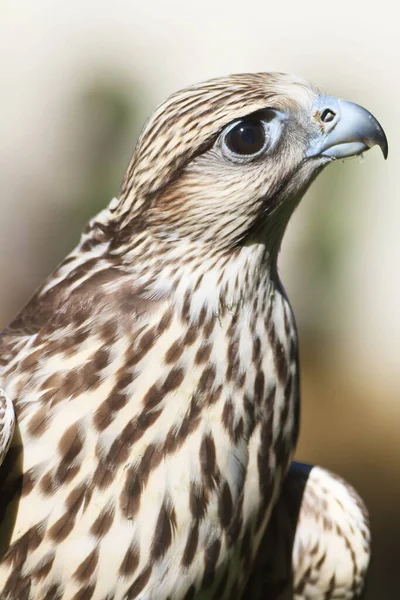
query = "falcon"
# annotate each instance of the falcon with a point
(154, 376)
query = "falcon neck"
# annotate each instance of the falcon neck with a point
(188, 272)
(161, 267)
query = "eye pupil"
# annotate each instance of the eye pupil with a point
(327, 115)
(246, 138)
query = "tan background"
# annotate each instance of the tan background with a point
(77, 81)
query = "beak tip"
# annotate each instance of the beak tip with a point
(381, 140)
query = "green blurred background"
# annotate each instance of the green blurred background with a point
(78, 81)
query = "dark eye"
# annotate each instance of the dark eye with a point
(247, 137)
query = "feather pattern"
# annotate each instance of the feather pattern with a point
(317, 544)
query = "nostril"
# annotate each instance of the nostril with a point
(327, 115)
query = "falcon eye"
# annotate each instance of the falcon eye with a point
(246, 138)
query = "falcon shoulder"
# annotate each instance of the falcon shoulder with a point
(50, 301)
(317, 544)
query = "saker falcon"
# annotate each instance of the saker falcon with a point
(154, 375)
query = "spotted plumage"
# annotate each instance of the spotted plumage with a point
(154, 374)
(317, 543)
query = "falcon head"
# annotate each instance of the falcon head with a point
(225, 162)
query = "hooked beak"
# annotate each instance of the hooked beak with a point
(345, 129)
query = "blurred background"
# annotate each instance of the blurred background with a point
(78, 79)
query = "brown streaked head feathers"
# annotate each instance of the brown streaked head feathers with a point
(178, 176)
(183, 182)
